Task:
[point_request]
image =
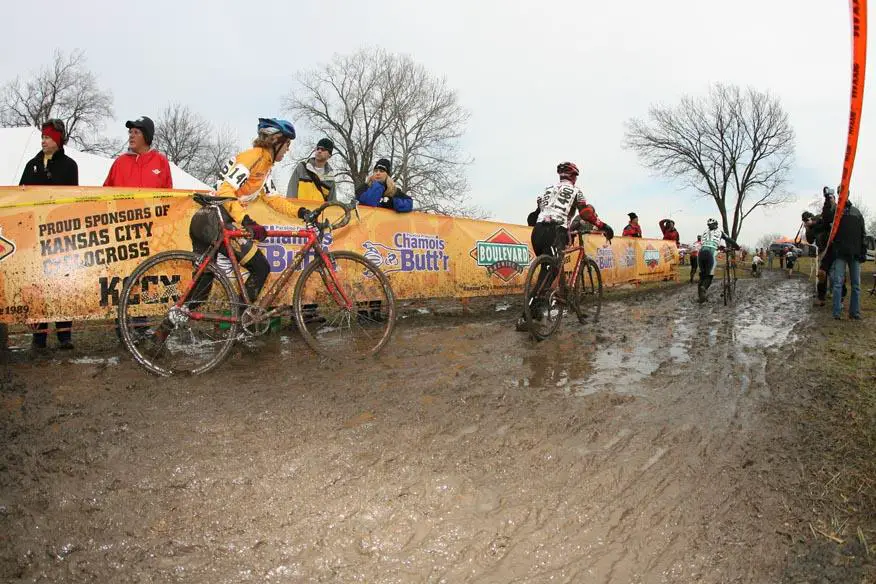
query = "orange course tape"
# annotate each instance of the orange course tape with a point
(859, 65)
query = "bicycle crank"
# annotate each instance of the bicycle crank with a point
(254, 321)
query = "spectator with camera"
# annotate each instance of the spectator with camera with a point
(817, 232)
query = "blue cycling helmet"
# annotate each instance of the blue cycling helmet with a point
(270, 126)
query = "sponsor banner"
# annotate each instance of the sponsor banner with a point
(66, 255)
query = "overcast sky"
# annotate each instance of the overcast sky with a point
(544, 81)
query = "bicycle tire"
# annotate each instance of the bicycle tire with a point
(587, 293)
(727, 292)
(134, 340)
(546, 300)
(375, 309)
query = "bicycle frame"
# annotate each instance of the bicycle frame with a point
(582, 255)
(312, 241)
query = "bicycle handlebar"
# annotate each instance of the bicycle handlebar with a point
(310, 217)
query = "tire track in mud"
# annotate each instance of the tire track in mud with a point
(465, 453)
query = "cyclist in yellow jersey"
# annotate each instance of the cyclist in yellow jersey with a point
(248, 178)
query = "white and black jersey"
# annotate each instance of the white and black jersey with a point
(558, 203)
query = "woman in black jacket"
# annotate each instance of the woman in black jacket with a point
(51, 166)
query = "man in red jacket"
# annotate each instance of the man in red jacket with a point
(633, 229)
(140, 166)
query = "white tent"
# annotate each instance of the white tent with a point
(18, 145)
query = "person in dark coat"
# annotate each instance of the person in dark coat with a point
(848, 251)
(51, 166)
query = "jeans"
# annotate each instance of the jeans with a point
(838, 274)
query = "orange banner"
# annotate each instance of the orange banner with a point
(858, 10)
(67, 260)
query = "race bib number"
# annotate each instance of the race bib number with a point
(270, 187)
(234, 174)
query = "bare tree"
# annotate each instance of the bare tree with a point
(375, 104)
(765, 240)
(66, 89)
(734, 146)
(192, 143)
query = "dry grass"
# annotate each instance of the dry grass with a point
(839, 425)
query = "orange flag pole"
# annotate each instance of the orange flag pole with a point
(859, 66)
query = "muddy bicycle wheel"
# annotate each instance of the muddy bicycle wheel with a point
(331, 327)
(163, 338)
(586, 296)
(542, 307)
(727, 291)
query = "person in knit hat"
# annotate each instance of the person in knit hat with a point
(314, 179)
(378, 186)
(141, 166)
(633, 229)
(51, 166)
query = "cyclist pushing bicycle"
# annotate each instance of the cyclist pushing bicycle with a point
(180, 312)
(246, 179)
(707, 256)
(557, 206)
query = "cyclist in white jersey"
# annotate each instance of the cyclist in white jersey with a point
(708, 252)
(557, 206)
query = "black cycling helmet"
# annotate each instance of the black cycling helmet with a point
(567, 169)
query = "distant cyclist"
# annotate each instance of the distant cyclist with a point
(556, 208)
(756, 263)
(790, 260)
(708, 256)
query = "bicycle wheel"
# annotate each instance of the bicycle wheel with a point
(542, 306)
(164, 339)
(327, 324)
(587, 293)
(727, 293)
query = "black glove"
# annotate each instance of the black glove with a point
(609, 232)
(256, 231)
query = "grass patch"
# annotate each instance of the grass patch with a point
(838, 429)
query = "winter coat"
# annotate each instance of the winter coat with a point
(149, 170)
(61, 170)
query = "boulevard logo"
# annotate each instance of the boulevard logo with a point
(502, 254)
(652, 257)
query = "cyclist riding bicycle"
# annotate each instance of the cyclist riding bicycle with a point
(708, 252)
(756, 262)
(556, 208)
(247, 178)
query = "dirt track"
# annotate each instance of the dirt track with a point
(467, 453)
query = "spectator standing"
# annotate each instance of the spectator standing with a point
(817, 232)
(667, 226)
(141, 166)
(51, 166)
(314, 179)
(632, 229)
(849, 250)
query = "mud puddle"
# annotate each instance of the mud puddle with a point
(465, 453)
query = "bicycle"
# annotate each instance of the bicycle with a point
(546, 293)
(342, 303)
(729, 284)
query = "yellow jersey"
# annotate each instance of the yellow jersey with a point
(248, 178)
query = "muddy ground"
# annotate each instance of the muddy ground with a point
(651, 449)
